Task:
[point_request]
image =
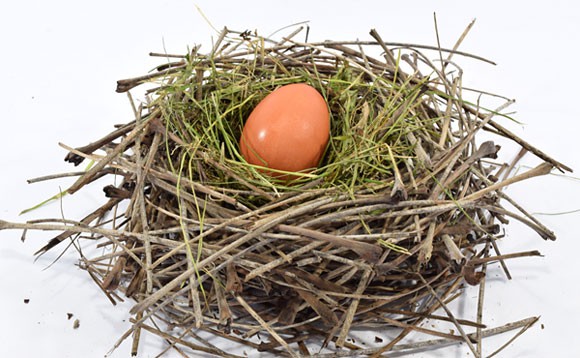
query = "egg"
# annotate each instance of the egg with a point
(288, 130)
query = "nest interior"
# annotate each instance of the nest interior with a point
(404, 209)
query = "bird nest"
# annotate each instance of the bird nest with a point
(404, 209)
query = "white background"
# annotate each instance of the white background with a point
(60, 59)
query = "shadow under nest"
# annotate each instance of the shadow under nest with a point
(405, 207)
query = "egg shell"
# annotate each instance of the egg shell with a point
(288, 130)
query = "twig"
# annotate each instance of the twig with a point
(266, 326)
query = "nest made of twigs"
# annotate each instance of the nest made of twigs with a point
(405, 207)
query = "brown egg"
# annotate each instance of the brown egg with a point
(288, 130)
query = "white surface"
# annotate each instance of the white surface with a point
(60, 60)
